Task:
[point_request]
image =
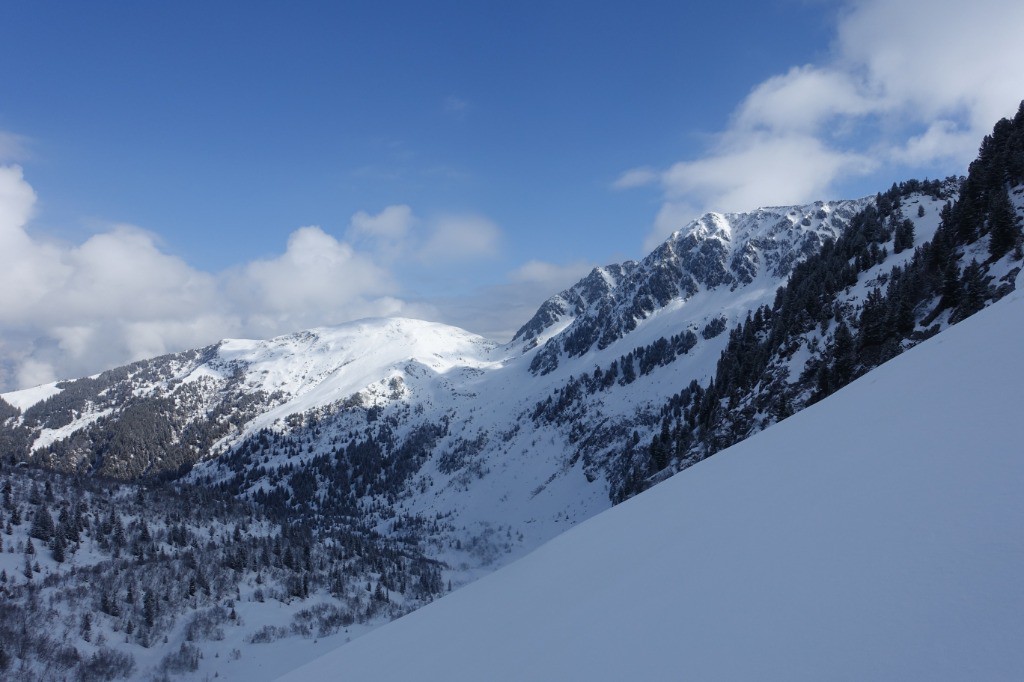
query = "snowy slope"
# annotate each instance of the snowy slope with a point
(875, 535)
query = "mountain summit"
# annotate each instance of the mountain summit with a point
(717, 250)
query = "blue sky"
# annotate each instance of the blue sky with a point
(180, 172)
(224, 126)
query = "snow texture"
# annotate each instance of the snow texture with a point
(875, 535)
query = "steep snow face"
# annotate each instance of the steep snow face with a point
(717, 250)
(875, 535)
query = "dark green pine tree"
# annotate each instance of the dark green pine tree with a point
(904, 236)
(57, 546)
(42, 525)
(975, 291)
(873, 320)
(951, 288)
(1004, 232)
(844, 352)
(149, 608)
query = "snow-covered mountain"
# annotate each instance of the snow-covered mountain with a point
(481, 445)
(874, 536)
(507, 444)
(729, 252)
(238, 386)
(341, 477)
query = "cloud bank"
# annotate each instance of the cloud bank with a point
(907, 88)
(72, 310)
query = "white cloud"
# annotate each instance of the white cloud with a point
(906, 87)
(758, 169)
(461, 237)
(636, 177)
(71, 310)
(945, 59)
(392, 223)
(317, 280)
(801, 101)
(387, 234)
(943, 140)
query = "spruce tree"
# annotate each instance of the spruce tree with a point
(1003, 230)
(904, 236)
(57, 546)
(975, 291)
(844, 354)
(951, 288)
(42, 525)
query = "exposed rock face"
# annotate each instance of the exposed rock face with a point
(717, 250)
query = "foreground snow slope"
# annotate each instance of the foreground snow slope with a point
(876, 535)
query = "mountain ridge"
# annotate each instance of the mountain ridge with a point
(665, 260)
(344, 493)
(714, 250)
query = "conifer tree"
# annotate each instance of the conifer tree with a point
(974, 292)
(57, 546)
(951, 285)
(42, 525)
(1004, 232)
(904, 236)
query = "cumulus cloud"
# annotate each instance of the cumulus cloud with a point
(397, 234)
(317, 280)
(71, 310)
(906, 88)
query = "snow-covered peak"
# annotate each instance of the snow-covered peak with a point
(321, 366)
(372, 344)
(776, 237)
(717, 250)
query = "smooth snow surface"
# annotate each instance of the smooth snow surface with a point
(876, 535)
(28, 397)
